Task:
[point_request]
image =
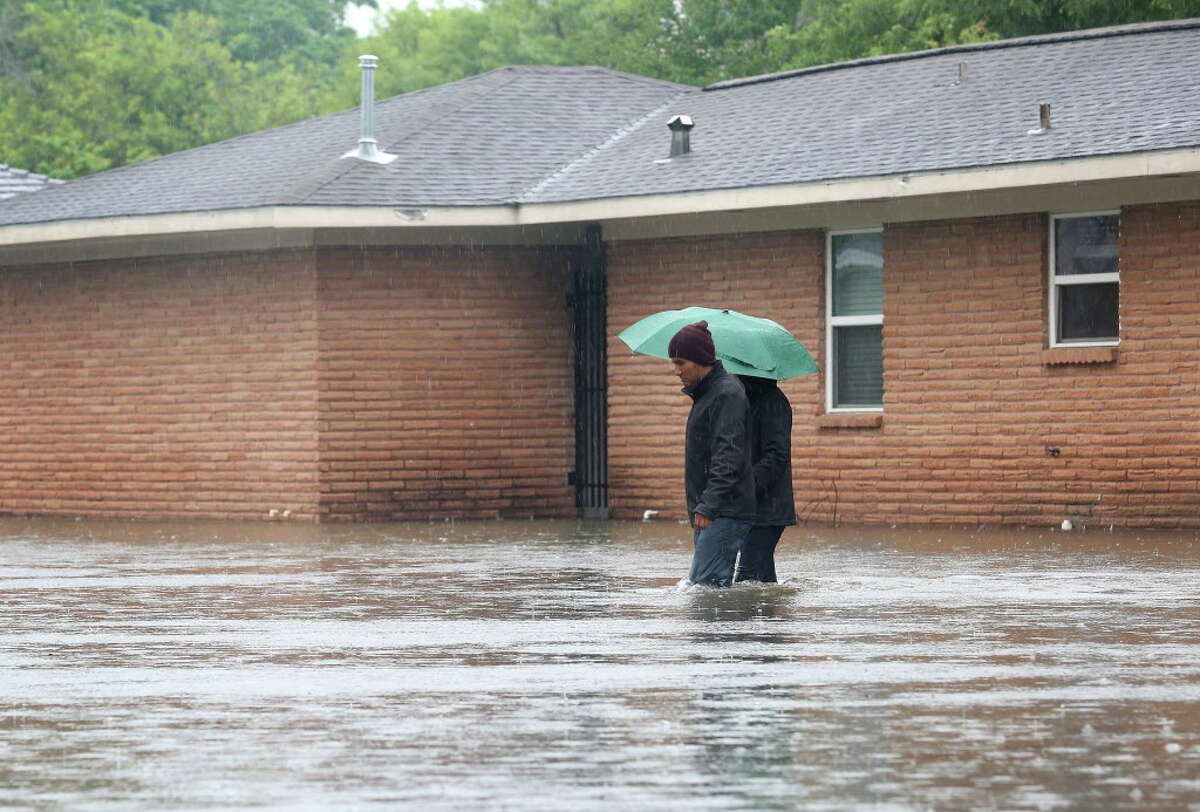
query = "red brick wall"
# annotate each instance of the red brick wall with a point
(419, 383)
(445, 383)
(969, 406)
(159, 387)
(1158, 427)
(970, 403)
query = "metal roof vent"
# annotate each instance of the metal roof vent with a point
(681, 127)
(368, 147)
(1043, 120)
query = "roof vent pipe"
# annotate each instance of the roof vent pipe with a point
(1043, 120)
(368, 147)
(681, 127)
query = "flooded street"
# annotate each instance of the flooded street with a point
(551, 665)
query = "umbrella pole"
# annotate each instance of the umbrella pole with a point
(737, 565)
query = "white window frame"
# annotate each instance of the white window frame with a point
(832, 321)
(1056, 281)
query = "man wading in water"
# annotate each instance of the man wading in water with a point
(718, 479)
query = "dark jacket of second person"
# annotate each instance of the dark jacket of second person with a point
(770, 443)
(717, 476)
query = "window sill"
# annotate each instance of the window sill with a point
(850, 420)
(1079, 355)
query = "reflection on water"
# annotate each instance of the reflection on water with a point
(544, 665)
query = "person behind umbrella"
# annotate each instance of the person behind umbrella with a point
(718, 481)
(770, 445)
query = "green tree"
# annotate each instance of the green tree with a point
(253, 30)
(87, 85)
(625, 35)
(424, 47)
(418, 49)
(100, 89)
(828, 31)
(1018, 18)
(702, 41)
(711, 40)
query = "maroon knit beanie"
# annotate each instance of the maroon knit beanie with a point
(693, 343)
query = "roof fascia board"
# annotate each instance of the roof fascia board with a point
(542, 234)
(847, 215)
(891, 187)
(287, 218)
(132, 246)
(896, 190)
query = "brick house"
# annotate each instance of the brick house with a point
(993, 250)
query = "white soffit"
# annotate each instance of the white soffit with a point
(1100, 182)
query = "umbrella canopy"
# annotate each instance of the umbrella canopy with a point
(746, 345)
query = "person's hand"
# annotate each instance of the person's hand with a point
(702, 521)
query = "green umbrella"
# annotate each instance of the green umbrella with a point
(746, 345)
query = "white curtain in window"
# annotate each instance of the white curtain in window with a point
(856, 319)
(858, 274)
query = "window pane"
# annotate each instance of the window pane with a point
(1088, 311)
(859, 366)
(1086, 244)
(857, 274)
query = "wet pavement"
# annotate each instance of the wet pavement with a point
(551, 665)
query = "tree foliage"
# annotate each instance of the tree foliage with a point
(87, 85)
(835, 30)
(703, 41)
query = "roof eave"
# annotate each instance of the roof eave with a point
(893, 195)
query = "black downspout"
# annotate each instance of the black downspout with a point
(589, 302)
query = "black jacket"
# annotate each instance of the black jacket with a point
(717, 476)
(770, 443)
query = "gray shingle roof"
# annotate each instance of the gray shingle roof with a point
(1111, 91)
(15, 181)
(525, 135)
(478, 141)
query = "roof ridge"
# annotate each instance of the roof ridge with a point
(617, 135)
(472, 88)
(16, 171)
(633, 77)
(1128, 29)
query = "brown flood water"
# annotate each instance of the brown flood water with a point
(552, 665)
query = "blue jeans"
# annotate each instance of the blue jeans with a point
(716, 549)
